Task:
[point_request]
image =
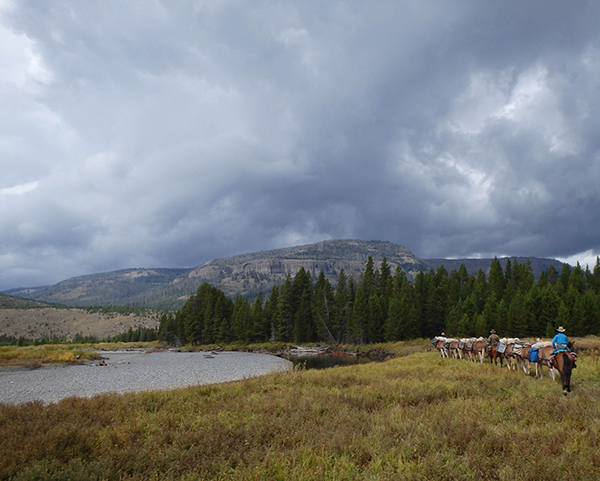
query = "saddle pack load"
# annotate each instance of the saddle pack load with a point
(534, 350)
(518, 347)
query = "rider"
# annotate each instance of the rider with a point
(560, 342)
(493, 339)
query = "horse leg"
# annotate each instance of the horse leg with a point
(566, 374)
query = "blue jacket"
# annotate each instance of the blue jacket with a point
(560, 338)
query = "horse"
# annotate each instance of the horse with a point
(563, 363)
(513, 351)
(453, 348)
(523, 358)
(465, 347)
(478, 350)
(509, 357)
(439, 345)
(544, 360)
(495, 355)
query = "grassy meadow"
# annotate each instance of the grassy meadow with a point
(416, 416)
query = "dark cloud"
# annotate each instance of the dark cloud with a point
(158, 134)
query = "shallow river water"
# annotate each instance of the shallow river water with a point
(133, 371)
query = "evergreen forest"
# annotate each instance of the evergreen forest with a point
(384, 306)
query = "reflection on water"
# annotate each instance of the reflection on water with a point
(322, 361)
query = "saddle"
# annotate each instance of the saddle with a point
(558, 351)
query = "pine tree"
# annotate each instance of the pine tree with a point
(368, 278)
(427, 328)
(565, 274)
(342, 310)
(303, 324)
(260, 331)
(270, 313)
(576, 279)
(496, 281)
(384, 287)
(241, 323)
(596, 276)
(324, 308)
(284, 320)
(360, 314)
(516, 318)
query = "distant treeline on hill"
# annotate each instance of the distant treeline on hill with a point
(140, 334)
(385, 307)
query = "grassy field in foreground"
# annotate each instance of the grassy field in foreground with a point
(413, 417)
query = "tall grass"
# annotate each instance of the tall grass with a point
(62, 353)
(413, 417)
(44, 354)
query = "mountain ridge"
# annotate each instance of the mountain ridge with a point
(247, 274)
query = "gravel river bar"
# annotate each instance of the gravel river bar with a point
(133, 371)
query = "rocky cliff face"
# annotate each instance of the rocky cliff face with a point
(250, 273)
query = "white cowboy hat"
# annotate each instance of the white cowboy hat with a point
(493, 331)
(561, 329)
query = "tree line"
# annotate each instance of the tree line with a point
(382, 306)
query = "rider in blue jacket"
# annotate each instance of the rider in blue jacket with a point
(560, 342)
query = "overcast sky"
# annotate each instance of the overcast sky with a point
(147, 133)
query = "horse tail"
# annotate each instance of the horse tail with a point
(566, 365)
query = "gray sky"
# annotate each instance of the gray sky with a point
(154, 133)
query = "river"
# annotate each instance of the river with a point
(133, 371)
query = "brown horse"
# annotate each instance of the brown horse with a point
(439, 345)
(523, 358)
(495, 355)
(479, 349)
(511, 363)
(453, 348)
(514, 352)
(544, 360)
(466, 347)
(563, 363)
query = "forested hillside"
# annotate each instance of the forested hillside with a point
(384, 306)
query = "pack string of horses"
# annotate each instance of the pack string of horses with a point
(515, 353)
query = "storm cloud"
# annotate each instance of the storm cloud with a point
(166, 134)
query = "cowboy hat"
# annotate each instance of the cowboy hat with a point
(561, 329)
(493, 331)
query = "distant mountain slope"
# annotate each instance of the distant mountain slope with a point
(246, 274)
(12, 302)
(129, 287)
